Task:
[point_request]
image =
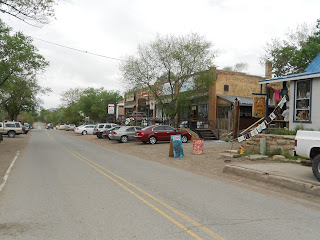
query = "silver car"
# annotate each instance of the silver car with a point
(101, 128)
(124, 134)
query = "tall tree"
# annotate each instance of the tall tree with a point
(294, 53)
(33, 12)
(168, 67)
(20, 63)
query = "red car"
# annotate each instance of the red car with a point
(152, 134)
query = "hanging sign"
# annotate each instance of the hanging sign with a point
(259, 106)
(110, 108)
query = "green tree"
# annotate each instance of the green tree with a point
(33, 12)
(20, 64)
(293, 54)
(21, 97)
(94, 103)
(168, 67)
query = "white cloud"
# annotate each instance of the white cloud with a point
(239, 29)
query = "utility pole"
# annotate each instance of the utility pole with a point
(236, 118)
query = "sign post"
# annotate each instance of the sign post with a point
(111, 108)
(259, 106)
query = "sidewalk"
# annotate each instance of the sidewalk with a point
(287, 175)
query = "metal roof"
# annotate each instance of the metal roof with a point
(312, 71)
(314, 66)
(243, 101)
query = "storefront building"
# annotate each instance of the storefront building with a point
(304, 98)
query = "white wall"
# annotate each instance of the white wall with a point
(315, 107)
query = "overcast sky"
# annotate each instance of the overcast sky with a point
(114, 28)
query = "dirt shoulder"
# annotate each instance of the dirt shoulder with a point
(9, 148)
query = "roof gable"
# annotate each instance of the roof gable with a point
(314, 66)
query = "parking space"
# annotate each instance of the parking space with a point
(209, 163)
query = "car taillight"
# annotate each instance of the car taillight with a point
(295, 143)
(141, 133)
(114, 132)
(97, 130)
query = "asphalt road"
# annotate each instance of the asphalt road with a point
(66, 188)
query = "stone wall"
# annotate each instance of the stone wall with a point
(274, 142)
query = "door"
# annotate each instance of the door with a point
(160, 133)
(169, 132)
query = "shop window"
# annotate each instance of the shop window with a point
(303, 101)
(226, 88)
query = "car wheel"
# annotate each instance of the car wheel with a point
(184, 138)
(153, 140)
(124, 139)
(316, 167)
(99, 135)
(84, 132)
(11, 134)
(104, 136)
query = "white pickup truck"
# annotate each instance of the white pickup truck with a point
(307, 144)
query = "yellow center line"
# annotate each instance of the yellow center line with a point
(98, 168)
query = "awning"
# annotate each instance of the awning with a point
(129, 106)
(243, 101)
(293, 77)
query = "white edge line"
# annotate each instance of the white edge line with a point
(8, 171)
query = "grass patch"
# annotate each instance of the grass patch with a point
(281, 132)
(274, 152)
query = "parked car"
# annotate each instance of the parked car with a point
(62, 126)
(307, 144)
(85, 129)
(11, 128)
(70, 127)
(107, 132)
(124, 134)
(155, 133)
(101, 128)
(25, 128)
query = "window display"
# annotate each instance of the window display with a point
(302, 104)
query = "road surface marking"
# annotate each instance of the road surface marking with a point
(99, 168)
(8, 171)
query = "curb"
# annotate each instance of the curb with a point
(266, 177)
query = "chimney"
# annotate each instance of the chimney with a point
(268, 69)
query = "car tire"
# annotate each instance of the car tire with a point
(316, 167)
(184, 138)
(124, 139)
(11, 134)
(84, 132)
(104, 136)
(152, 140)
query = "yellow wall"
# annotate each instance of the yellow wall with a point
(240, 84)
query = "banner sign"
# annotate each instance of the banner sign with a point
(197, 146)
(110, 108)
(262, 126)
(176, 146)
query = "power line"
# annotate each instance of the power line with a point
(78, 50)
